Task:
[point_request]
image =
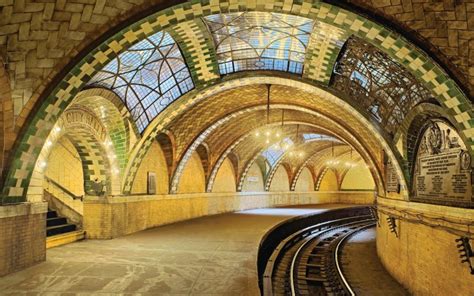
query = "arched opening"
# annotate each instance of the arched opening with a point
(254, 181)
(280, 181)
(186, 103)
(328, 181)
(152, 176)
(193, 176)
(225, 178)
(358, 178)
(305, 181)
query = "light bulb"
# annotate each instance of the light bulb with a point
(267, 133)
(257, 134)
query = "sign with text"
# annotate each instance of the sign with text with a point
(443, 167)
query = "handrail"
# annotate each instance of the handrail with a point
(72, 195)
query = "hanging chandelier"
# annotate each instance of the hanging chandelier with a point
(274, 135)
(295, 153)
(334, 162)
(350, 163)
(270, 135)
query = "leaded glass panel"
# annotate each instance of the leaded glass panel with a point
(260, 41)
(377, 83)
(148, 77)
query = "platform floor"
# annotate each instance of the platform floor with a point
(213, 255)
(363, 269)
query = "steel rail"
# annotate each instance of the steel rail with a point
(336, 258)
(310, 239)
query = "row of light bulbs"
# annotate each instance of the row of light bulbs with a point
(335, 163)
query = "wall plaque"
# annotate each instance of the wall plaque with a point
(443, 167)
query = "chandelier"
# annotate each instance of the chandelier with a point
(334, 162)
(270, 135)
(273, 136)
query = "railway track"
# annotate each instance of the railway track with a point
(307, 262)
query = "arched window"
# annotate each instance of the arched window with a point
(378, 83)
(148, 77)
(260, 41)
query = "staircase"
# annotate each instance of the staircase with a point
(59, 231)
(57, 225)
(66, 227)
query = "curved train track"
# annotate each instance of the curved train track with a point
(307, 262)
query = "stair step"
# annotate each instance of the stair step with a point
(51, 214)
(65, 238)
(55, 221)
(59, 229)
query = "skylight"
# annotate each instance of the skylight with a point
(274, 152)
(318, 137)
(148, 77)
(260, 41)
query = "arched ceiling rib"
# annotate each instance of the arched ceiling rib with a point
(445, 90)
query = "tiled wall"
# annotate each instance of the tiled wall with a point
(445, 90)
(64, 166)
(424, 256)
(155, 162)
(108, 218)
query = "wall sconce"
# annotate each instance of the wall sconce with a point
(465, 251)
(392, 224)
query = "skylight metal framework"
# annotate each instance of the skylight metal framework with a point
(318, 137)
(272, 153)
(260, 41)
(378, 83)
(148, 77)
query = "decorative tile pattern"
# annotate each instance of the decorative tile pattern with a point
(198, 50)
(434, 78)
(148, 76)
(323, 50)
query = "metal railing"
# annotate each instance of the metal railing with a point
(61, 188)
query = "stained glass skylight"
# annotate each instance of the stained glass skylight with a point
(274, 152)
(378, 83)
(318, 137)
(148, 77)
(260, 41)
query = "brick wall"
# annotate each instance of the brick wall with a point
(22, 236)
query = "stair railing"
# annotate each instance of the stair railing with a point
(62, 189)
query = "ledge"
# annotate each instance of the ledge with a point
(145, 197)
(23, 209)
